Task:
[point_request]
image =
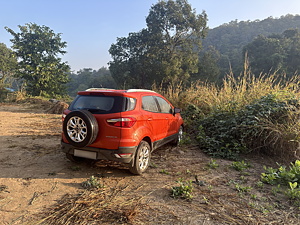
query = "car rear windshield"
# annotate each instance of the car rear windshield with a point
(103, 104)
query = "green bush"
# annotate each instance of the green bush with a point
(261, 125)
(92, 183)
(240, 165)
(184, 190)
(282, 175)
(217, 135)
(245, 113)
(289, 178)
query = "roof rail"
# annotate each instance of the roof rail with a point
(100, 89)
(140, 90)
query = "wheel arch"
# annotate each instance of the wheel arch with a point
(148, 139)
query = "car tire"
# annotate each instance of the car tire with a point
(80, 128)
(141, 159)
(179, 136)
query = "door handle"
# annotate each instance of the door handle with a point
(149, 119)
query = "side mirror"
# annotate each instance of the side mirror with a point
(176, 110)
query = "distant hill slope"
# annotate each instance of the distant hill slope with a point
(230, 38)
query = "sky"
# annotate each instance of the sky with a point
(90, 27)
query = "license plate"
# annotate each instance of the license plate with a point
(85, 154)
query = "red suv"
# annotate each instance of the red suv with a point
(119, 125)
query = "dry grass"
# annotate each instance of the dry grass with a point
(235, 92)
(146, 199)
(280, 139)
(91, 207)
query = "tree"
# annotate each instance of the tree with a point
(230, 38)
(38, 49)
(88, 78)
(266, 54)
(208, 69)
(180, 31)
(292, 43)
(280, 53)
(8, 63)
(167, 50)
(131, 65)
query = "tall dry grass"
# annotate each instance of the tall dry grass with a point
(234, 93)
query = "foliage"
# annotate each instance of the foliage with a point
(275, 53)
(208, 68)
(131, 66)
(229, 39)
(157, 53)
(163, 171)
(213, 164)
(218, 136)
(8, 64)
(166, 51)
(246, 113)
(282, 175)
(290, 178)
(37, 49)
(242, 189)
(184, 190)
(88, 78)
(294, 193)
(240, 165)
(226, 134)
(92, 182)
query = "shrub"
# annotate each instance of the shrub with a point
(92, 182)
(184, 190)
(290, 179)
(217, 135)
(245, 113)
(240, 165)
(282, 175)
(261, 125)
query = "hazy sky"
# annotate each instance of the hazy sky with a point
(90, 26)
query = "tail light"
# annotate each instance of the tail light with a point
(125, 122)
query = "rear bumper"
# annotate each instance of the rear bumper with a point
(106, 154)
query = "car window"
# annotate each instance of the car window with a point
(164, 106)
(149, 104)
(129, 104)
(98, 104)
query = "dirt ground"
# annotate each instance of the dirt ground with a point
(38, 185)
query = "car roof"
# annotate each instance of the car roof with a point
(114, 92)
(110, 89)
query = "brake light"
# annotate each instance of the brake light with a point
(125, 122)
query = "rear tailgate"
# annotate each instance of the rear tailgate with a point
(108, 136)
(103, 106)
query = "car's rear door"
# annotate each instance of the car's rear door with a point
(155, 120)
(103, 106)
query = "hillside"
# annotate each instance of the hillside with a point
(230, 38)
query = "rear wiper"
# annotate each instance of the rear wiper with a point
(96, 110)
